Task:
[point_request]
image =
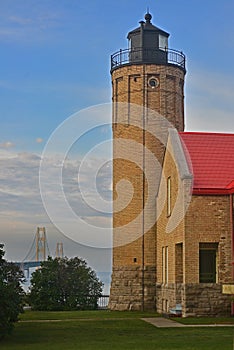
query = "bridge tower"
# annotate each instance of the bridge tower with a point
(150, 75)
(41, 244)
(59, 250)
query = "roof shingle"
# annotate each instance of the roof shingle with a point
(212, 158)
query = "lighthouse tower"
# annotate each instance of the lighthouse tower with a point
(147, 77)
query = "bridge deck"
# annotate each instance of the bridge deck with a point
(25, 265)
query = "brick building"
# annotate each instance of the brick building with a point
(172, 241)
(195, 229)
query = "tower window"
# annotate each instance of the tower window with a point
(163, 42)
(165, 264)
(169, 196)
(153, 82)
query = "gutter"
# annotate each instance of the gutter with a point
(213, 191)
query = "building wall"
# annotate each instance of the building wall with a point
(207, 221)
(134, 265)
(196, 299)
(170, 235)
(134, 235)
(130, 84)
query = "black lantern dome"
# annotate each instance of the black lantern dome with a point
(148, 44)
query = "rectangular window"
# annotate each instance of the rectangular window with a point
(168, 196)
(207, 263)
(163, 268)
(163, 42)
(165, 264)
(179, 263)
(166, 305)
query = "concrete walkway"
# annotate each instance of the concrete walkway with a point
(161, 322)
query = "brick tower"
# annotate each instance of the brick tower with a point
(147, 78)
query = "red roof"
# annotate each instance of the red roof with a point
(212, 158)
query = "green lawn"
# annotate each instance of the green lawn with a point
(109, 330)
(205, 320)
(69, 315)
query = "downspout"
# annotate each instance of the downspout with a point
(232, 245)
(143, 195)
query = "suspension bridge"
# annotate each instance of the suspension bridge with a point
(39, 251)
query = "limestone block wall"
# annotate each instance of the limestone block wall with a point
(197, 300)
(126, 288)
(205, 299)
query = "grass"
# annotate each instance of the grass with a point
(109, 330)
(73, 315)
(205, 320)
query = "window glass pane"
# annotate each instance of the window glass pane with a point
(207, 264)
(168, 196)
(166, 264)
(163, 264)
(163, 42)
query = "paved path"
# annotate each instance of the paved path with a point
(161, 322)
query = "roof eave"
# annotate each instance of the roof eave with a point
(213, 191)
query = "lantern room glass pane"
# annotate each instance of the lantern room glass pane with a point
(163, 42)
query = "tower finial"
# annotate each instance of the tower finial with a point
(148, 16)
(147, 9)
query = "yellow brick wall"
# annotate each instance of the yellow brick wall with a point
(206, 221)
(164, 238)
(130, 84)
(134, 241)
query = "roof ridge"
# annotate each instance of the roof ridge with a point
(205, 133)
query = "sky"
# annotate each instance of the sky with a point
(54, 68)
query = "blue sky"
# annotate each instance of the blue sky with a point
(55, 61)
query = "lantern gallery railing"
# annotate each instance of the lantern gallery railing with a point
(141, 56)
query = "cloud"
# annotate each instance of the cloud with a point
(20, 192)
(33, 27)
(7, 144)
(209, 101)
(39, 140)
(22, 210)
(212, 84)
(20, 20)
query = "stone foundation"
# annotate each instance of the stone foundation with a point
(167, 296)
(205, 299)
(127, 292)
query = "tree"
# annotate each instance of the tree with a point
(64, 284)
(11, 294)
